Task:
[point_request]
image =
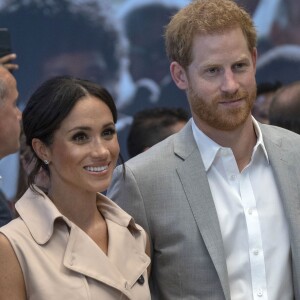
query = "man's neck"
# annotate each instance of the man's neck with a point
(241, 140)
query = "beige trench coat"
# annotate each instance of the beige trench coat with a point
(60, 261)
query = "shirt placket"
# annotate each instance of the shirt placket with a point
(256, 253)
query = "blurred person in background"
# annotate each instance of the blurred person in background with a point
(143, 25)
(264, 96)
(280, 64)
(151, 126)
(10, 117)
(286, 26)
(62, 37)
(59, 37)
(285, 107)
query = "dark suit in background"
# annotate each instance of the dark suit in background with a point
(5, 214)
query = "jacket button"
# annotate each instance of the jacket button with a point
(141, 280)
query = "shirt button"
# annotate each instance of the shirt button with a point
(232, 177)
(250, 211)
(255, 251)
(259, 292)
(141, 280)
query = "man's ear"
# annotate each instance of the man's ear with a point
(179, 75)
(41, 150)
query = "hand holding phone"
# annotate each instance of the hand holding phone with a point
(6, 55)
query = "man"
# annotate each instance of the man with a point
(10, 117)
(220, 198)
(285, 107)
(153, 125)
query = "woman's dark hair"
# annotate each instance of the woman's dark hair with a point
(50, 104)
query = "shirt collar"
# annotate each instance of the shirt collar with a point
(260, 141)
(209, 148)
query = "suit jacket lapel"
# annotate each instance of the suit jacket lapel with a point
(194, 181)
(287, 178)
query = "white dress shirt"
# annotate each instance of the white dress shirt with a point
(252, 221)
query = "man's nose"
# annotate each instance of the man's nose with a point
(229, 82)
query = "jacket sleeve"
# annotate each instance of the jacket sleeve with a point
(124, 190)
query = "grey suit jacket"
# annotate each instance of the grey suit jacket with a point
(167, 192)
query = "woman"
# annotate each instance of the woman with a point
(71, 242)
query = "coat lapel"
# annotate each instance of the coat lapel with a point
(85, 257)
(131, 261)
(200, 199)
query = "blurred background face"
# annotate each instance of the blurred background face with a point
(144, 28)
(10, 116)
(147, 58)
(89, 65)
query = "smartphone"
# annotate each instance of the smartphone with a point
(5, 43)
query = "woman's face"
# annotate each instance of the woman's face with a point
(85, 148)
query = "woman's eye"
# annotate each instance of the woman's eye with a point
(80, 137)
(109, 132)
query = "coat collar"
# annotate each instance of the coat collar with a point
(122, 267)
(36, 208)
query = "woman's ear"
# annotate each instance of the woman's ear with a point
(41, 150)
(179, 75)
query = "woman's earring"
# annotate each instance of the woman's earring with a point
(46, 162)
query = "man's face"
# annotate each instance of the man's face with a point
(10, 116)
(220, 81)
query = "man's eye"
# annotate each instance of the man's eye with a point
(212, 71)
(240, 66)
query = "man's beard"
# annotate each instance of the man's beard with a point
(218, 116)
